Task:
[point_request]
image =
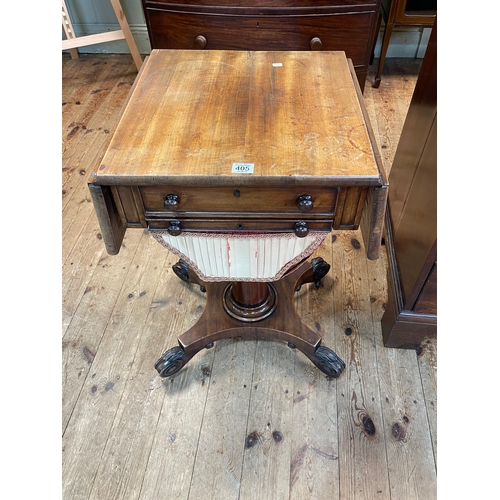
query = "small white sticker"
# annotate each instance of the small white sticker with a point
(277, 65)
(242, 168)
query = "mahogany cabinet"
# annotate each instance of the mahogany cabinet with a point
(411, 228)
(331, 25)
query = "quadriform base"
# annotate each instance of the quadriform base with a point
(252, 310)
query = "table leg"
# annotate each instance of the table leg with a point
(318, 270)
(185, 273)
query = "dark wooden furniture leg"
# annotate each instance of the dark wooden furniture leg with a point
(254, 310)
(185, 273)
(383, 51)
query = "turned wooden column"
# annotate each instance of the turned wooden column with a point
(250, 293)
(249, 301)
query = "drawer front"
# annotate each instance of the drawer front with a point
(259, 3)
(241, 208)
(206, 202)
(235, 225)
(180, 30)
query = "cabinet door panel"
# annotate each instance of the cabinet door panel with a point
(427, 301)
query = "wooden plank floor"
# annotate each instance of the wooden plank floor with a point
(247, 419)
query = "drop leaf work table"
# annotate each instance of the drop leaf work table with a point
(240, 163)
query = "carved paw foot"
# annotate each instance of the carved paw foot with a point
(182, 271)
(171, 362)
(328, 362)
(320, 270)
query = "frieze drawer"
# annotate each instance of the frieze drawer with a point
(251, 201)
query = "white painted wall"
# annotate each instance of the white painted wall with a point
(97, 16)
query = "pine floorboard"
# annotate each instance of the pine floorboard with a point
(246, 419)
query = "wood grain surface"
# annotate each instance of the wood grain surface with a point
(195, 113)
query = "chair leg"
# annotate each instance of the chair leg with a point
(385, 45)
(379, 22)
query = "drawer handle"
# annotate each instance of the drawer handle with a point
(301, 230)
(316, 43)
(175, 228)
(200, 42)
(171, 202)
(305, 203)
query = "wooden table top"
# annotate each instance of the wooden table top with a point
(193, 115)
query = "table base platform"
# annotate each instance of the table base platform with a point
(252, 310)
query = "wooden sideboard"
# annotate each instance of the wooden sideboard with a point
(411, 229)
(331, 25)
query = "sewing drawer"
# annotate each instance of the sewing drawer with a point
(234, 225)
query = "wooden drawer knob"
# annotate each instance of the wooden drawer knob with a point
(316, 43)
(171, 202)
(174, 229)
(301, 230)
(305, 203)
(200, 42)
